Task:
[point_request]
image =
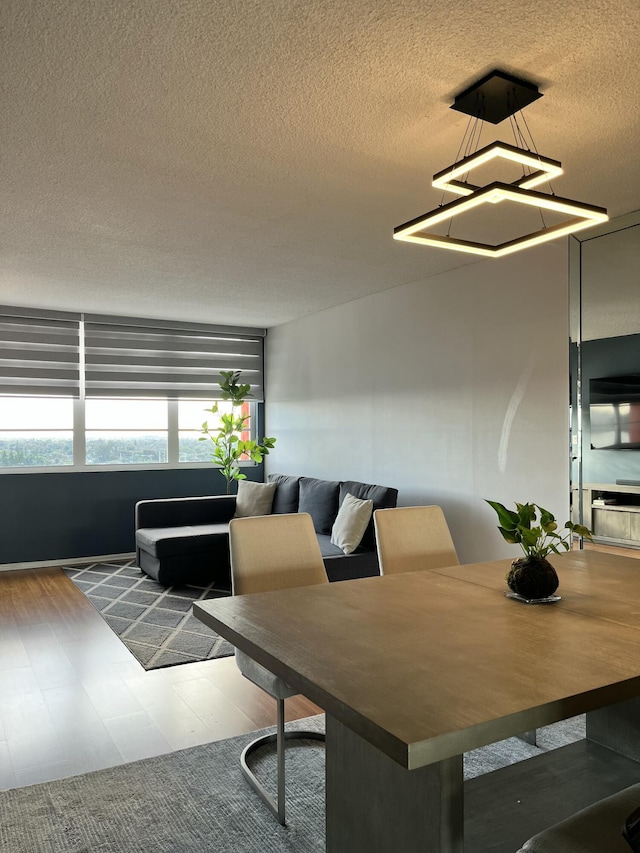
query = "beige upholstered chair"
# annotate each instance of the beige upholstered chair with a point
(410, 538)
(273, 552)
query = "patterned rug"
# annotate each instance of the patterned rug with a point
(154, 622)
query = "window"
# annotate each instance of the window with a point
(80, 390)
(191, 415)
(36, 431)
(126, 432)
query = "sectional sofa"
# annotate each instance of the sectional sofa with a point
(186, 540)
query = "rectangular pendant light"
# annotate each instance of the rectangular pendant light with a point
(545, 168)
(494, 98)
(583, 216)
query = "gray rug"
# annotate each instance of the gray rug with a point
(196, 800)
(154, 622)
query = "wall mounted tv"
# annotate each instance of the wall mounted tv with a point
(614, 411)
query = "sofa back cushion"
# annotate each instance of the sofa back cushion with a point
(383, 497)
(320, 499)
(287, 493)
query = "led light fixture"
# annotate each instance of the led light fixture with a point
(494, 98)
(584, 216)
(545, 168)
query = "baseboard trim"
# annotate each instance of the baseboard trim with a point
(76, 561)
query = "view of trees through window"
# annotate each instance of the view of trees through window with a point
(38, 432)
(35, 450)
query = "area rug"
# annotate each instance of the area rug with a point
(154, 622)
(196, 800)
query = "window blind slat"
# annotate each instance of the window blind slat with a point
(40, 373)
(154, 392)
(183, 362)
(36, 390)
(39, 352)
(123, 357)
(113, 342)
(20, 355)
(142, 323)
(168, 362)
(40, 338)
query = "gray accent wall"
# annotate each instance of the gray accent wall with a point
(66, 515)
(452, 389)
(62, 516)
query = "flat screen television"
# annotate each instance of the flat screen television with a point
(614, 411)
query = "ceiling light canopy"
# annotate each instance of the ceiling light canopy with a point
(494, 98)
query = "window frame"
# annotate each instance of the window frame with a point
(172, 463)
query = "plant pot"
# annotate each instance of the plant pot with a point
(532, 577)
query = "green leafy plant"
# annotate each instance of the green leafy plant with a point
(229, 448)
(536, 540)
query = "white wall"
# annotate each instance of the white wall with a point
(451, 389)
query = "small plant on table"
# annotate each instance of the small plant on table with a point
(533, 576)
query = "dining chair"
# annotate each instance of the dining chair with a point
(273, 552)
(594, 829)
(410, 538)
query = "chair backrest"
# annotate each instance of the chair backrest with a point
(274, 552)
(410, 538)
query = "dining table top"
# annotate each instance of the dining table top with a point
(430, 664)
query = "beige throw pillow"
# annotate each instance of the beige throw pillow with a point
(254, 498)
(351, 522)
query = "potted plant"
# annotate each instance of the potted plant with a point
(533, 576)
(229, 446)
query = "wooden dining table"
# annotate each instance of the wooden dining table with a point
(413, 670)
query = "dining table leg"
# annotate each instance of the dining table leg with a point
(374, 805)
(617, 727)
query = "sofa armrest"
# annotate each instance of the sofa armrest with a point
(175, 512)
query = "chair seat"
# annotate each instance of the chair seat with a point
(595, 829)
(260, 676)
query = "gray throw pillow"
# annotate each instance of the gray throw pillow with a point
(351, 522)
(254, 498)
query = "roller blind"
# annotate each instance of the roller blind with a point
(39, 352)
(129, 357)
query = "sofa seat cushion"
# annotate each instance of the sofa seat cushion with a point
(180, 541)
(320, 499)
(327, 548)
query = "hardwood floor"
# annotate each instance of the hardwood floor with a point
(74, 699)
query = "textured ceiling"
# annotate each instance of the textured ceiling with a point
(246, 161)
